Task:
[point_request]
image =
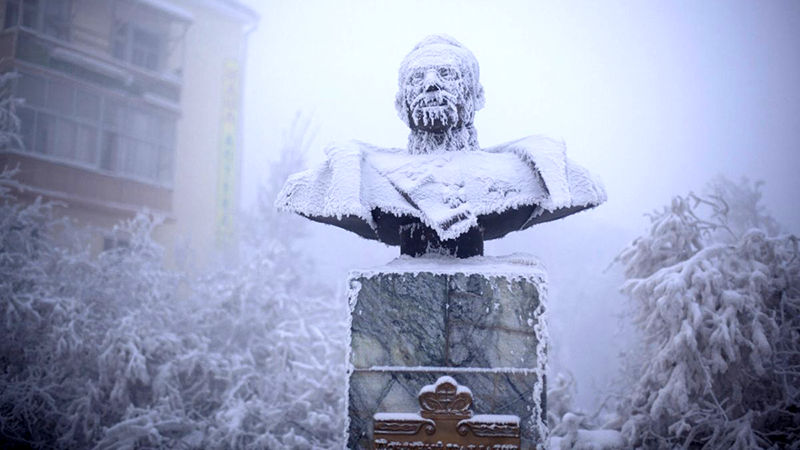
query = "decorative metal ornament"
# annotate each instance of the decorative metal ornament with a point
(445, 421)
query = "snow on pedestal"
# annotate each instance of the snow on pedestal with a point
(479, 320)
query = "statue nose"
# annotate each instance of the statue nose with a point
(431, 81)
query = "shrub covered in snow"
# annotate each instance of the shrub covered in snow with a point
(716, 295)
(113, 351)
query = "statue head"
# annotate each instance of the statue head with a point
(439, 87)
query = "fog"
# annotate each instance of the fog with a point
(654, 97)
(163, 331)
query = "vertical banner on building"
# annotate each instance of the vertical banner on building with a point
(228, 158)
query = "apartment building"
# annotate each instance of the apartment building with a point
(131, 105)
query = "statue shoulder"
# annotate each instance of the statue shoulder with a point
(548, 157)
(344, 184)
(536, 143)
(568, 183)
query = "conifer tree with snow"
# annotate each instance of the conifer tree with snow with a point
(715, 289)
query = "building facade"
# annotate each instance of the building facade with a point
(131, 105)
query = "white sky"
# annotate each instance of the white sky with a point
(655, 97)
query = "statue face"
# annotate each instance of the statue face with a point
(435, 95)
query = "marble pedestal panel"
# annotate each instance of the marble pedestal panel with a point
(479, 320)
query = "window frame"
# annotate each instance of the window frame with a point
(124, 45)
(40, 14)
(160, 146)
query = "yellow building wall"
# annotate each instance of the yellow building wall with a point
(212, 68)
(91, 25)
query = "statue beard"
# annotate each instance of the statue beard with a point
(438, 123)
(434, 112)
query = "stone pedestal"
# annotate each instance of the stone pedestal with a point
(478, 320)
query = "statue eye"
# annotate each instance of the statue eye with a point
(448, 73)
(416, 77)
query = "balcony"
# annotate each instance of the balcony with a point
(92, 190)
(24, 47)
(133, 46)
(102, 98)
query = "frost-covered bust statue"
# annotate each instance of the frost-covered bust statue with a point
(442, 193)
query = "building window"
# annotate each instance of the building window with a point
(51, 17)
(138, 46)
(67, 121)
(12, 14)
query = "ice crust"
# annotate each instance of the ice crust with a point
(439, 82)
(509, 266)
(435, 50)
(399, 416)
(446, 191)
(503, 370)
(493, 418)
(431, 388)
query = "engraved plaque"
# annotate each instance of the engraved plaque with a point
(445, 422)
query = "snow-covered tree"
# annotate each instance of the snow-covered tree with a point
(298, 357)
(716, 296)
(113, 351)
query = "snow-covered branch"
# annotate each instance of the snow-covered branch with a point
(113, 351)
(719, 316)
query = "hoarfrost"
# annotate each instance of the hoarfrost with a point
(439, 92)
(443, 178)
(358, 178)
(114, 351)
(716, 292)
